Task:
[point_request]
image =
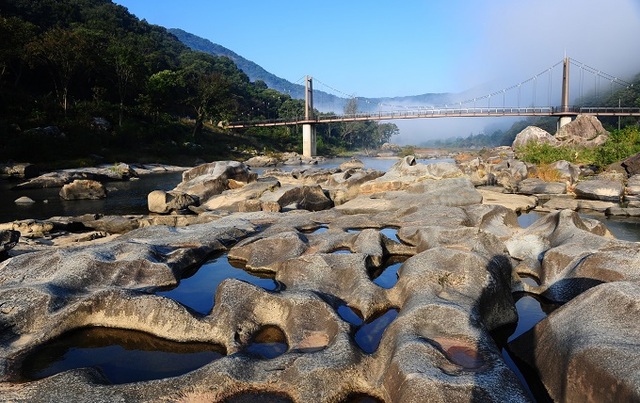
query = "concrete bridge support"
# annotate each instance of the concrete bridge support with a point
(308, 140)
(563, 121)
(564, 107)
(308, 129)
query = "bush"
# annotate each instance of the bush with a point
(620, 145)
(543, 153)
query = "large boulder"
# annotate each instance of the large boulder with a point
(532, 186)
(632, 190)
(567, 171)
(587, 350)
(632, 165)
(83, 189)
(8, 239)
(509, 173)
(162, 202)
(310, 198)
(241, 198)
(532, 134)
(18, 170)
(584, 131)
(408, 171)
(262, 161)
(600, 189)
(211, 179)
(103, 173)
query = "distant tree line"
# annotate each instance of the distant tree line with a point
(65, 63)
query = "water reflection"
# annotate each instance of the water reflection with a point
(126, 197)
(199, 290)
(269, 342)
(387, 275)
(368, 336)
(123, 356)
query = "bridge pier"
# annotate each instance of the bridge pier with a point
(308, 129)
(564, 107)
(563, 121)
(308, 140)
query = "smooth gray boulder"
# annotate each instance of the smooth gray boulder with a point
(532, 186)
(532, 134)
(207, 180)
(587, 350)
(600, 189)
(632, 165)
(583, 131)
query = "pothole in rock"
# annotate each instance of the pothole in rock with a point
(350, 315)
(389, 232)
(361, 398)
(198, 290)
(459, 352)
(262, 397)
(369, 334)
(315, 231)
(386, 276)
(531, 311)
(269, 342)
(123, 356)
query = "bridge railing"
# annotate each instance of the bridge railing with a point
(446, 112)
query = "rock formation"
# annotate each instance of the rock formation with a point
(461, 255)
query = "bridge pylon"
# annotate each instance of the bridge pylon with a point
(564, 106)
(308, 128)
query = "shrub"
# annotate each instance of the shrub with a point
(547, 173)
(543, 153)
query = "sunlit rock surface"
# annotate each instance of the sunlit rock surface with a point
(336, 334)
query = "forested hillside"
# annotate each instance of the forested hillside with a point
(85, 78)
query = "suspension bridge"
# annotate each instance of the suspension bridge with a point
(480, 106)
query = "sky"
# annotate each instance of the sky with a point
(378, 48)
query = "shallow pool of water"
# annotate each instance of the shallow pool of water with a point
(370, 333)
(387, 275)
(199, 290)
(123, 356)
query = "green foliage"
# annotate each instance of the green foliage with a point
(408, 150)
(620, 145)
(543, 153)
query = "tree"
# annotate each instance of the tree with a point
(208, 91)
(63, 52)
(125, 58)
(15, 34)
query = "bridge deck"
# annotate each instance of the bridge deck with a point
(445, 113)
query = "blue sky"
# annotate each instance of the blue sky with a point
(381, 48)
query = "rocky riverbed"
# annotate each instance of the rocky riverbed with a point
(320, 235)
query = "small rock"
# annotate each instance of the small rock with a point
(24, 200)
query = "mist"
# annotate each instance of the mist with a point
(523, 39)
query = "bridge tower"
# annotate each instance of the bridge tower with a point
(308, 128)
(564, 106)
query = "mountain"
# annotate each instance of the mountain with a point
(323, 101)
